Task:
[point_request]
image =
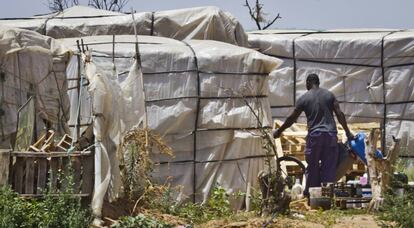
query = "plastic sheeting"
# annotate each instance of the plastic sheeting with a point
(205, 23)
(116, 108)
(31, 65)
(354, 65)
(193, 100)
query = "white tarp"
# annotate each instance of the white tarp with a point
(205, 23)
(32, 65)
(353, 64)
(193, 100)
(116, 108)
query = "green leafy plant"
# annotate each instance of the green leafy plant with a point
(140, 221)
(399, 209)
(217, 207)
(58, 208)
(62, 210)
(163, 200)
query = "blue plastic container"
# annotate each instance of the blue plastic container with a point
(358, 147)
(378, 154)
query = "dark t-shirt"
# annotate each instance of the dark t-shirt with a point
(318, 105)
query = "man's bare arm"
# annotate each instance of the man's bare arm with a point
(289, 121)
(342, 120)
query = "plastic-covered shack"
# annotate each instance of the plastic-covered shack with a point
(196, 93)
(204, 23)
(31, 65)
(370, 72)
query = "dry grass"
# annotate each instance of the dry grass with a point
(136, 164)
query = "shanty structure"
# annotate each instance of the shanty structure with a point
(204, 23)
(199, 97)
(208, 99)
(369, 71)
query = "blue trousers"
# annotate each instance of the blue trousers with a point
(321, 153)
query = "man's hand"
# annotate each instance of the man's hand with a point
(276, 133)
(350, 136)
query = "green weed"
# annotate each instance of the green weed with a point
(140, 221)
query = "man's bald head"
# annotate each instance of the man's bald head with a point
(312, 80)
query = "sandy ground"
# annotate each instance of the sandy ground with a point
(360, 221)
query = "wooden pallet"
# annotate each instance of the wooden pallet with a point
(293, 142)
(32, 173)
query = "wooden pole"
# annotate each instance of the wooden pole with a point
(138, 59)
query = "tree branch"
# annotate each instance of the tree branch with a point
(273, 21)
(255, 19)
(258, 16)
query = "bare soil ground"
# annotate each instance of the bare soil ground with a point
(363, 221)
(299, 217)
(348, 221)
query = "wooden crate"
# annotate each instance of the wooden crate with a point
(32, 173)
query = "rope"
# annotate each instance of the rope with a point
(195, 59)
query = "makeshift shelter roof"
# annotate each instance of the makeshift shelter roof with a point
(369, 71)
(193, 23)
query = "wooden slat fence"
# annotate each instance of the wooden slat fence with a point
(31, 174)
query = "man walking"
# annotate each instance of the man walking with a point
(321, 150)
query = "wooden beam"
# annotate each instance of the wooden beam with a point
(279, 151)
(49, 154)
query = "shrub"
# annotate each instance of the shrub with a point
(52, 211)
(217, 207)
(161, 198)
(140, 221)
(399, 209)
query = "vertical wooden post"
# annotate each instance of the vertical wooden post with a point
(76, 169)
(18, 174)
(41, 175)
(87, 174)
(54, 172)
(4, 167)
(29, 176)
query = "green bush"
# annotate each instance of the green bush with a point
(399, 209)
(140, 221)
(52, 211)
(217, 207)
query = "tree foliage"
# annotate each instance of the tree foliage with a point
(259, 16)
